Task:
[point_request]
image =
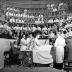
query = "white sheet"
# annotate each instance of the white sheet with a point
(41, 54)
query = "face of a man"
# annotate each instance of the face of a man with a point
(24, 36)
(58, 34)
(69, 29)
(30, 35)
(37, 36)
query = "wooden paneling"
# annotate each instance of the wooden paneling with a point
(30, 3)
(35, 2)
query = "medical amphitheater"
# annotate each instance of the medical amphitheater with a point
(28, 35)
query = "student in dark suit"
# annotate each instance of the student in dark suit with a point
(68, 49)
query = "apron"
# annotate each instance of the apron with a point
(59, 54)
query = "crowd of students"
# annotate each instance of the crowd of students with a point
(28, 38)
(38, 15)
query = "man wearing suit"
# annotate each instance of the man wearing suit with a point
(68, 48)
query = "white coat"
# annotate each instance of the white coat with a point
(59, 44)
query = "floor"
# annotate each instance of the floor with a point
(27, 69)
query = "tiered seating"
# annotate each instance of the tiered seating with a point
(27, 15)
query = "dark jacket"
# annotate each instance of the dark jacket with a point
(68, 49)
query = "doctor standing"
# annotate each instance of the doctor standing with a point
(59, 48)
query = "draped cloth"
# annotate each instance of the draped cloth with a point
(4, 46)
(41, 54)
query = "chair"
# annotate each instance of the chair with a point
(67, 65)
(6, 58)
(10, 58)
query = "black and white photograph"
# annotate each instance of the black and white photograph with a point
(35, 35)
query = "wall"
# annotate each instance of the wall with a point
(29, 3)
